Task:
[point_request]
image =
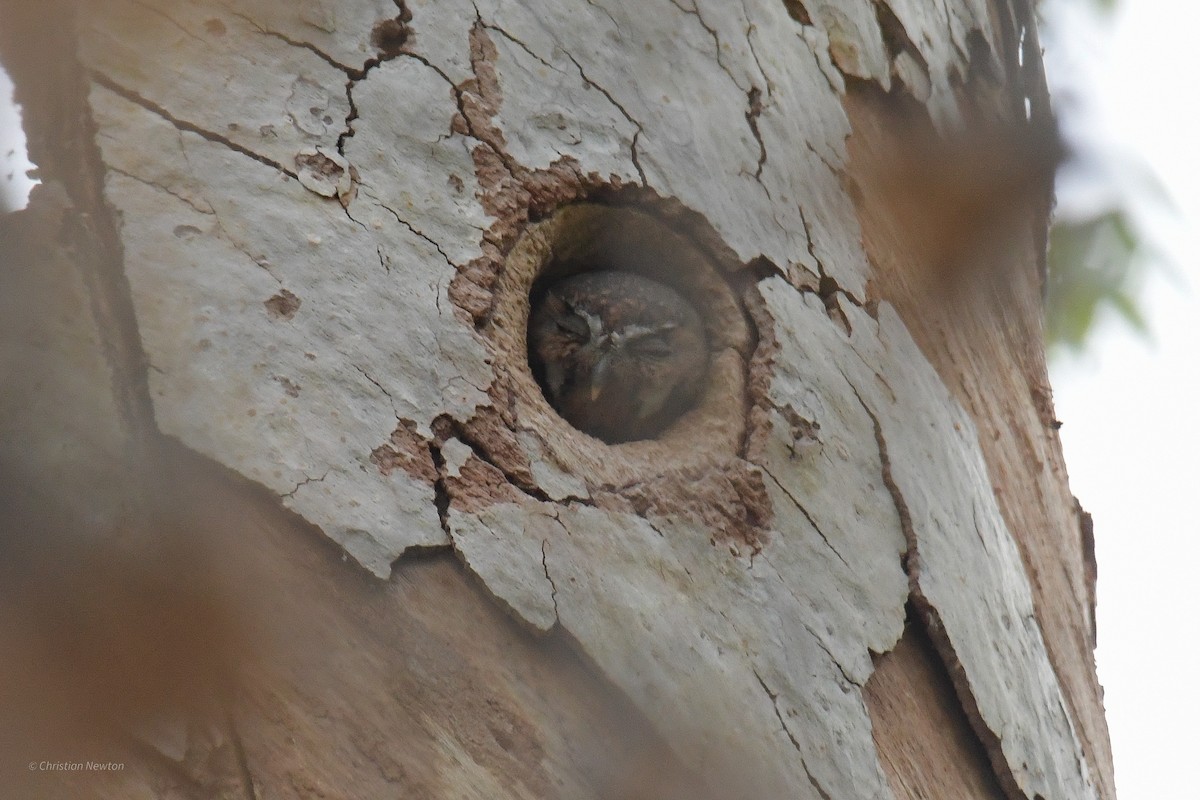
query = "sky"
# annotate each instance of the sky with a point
(14, 185)
(1127, 88)
(1129, 407)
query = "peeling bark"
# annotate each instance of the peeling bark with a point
(319, 229)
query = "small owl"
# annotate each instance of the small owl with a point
(619, 356)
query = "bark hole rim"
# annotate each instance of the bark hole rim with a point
(662, 248)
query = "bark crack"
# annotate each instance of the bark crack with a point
(817, 786)
(658, 530)
(351, 115)
(305, 482)
(754, 94)
(753, 112)
(441, 494)
(820, 642)
(975, 526)
(494, 27)
(454, 428)
(158, 12)
(351, 217)
(797, 11)
(469, 129)
(605, 12)
(779, 714)
(389, 37)
(931, 621)
(546, 570)
(897, 40)
(257, 261)
(808, 238)
(444, 387)
(694, 11)
(911, 558)
(493, 140)
(417, 232)
(751, 28)
(184, 125)
(633, 153)
(436, 69)
(583, 76)
(832, 658)
(187, 201)
(379, 386)
(817, 46)
(309, 46)
(835, 170)
(800, 507)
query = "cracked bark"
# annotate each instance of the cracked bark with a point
(340, 382)
(184, 125)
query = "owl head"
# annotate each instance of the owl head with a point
(618, 355)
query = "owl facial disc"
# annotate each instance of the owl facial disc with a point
(619, 355)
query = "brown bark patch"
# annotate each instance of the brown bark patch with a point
(926, 745)
(478, 485)
(283, 305)
(729, 500)
(406, 450)
(493, 431)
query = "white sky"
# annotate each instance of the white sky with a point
(14, 185)
(1131, 430)
(1131, 433)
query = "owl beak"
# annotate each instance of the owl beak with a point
(600, 375)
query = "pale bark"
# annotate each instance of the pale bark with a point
(318, 225)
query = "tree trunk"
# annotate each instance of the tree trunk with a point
(267, 352)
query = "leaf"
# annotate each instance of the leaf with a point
(1092, 264)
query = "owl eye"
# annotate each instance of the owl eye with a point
(651, 346)
(573, 325)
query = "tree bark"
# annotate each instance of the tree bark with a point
(276, 284)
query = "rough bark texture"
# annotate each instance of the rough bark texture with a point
(298, 243)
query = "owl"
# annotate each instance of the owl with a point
(618, 355)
